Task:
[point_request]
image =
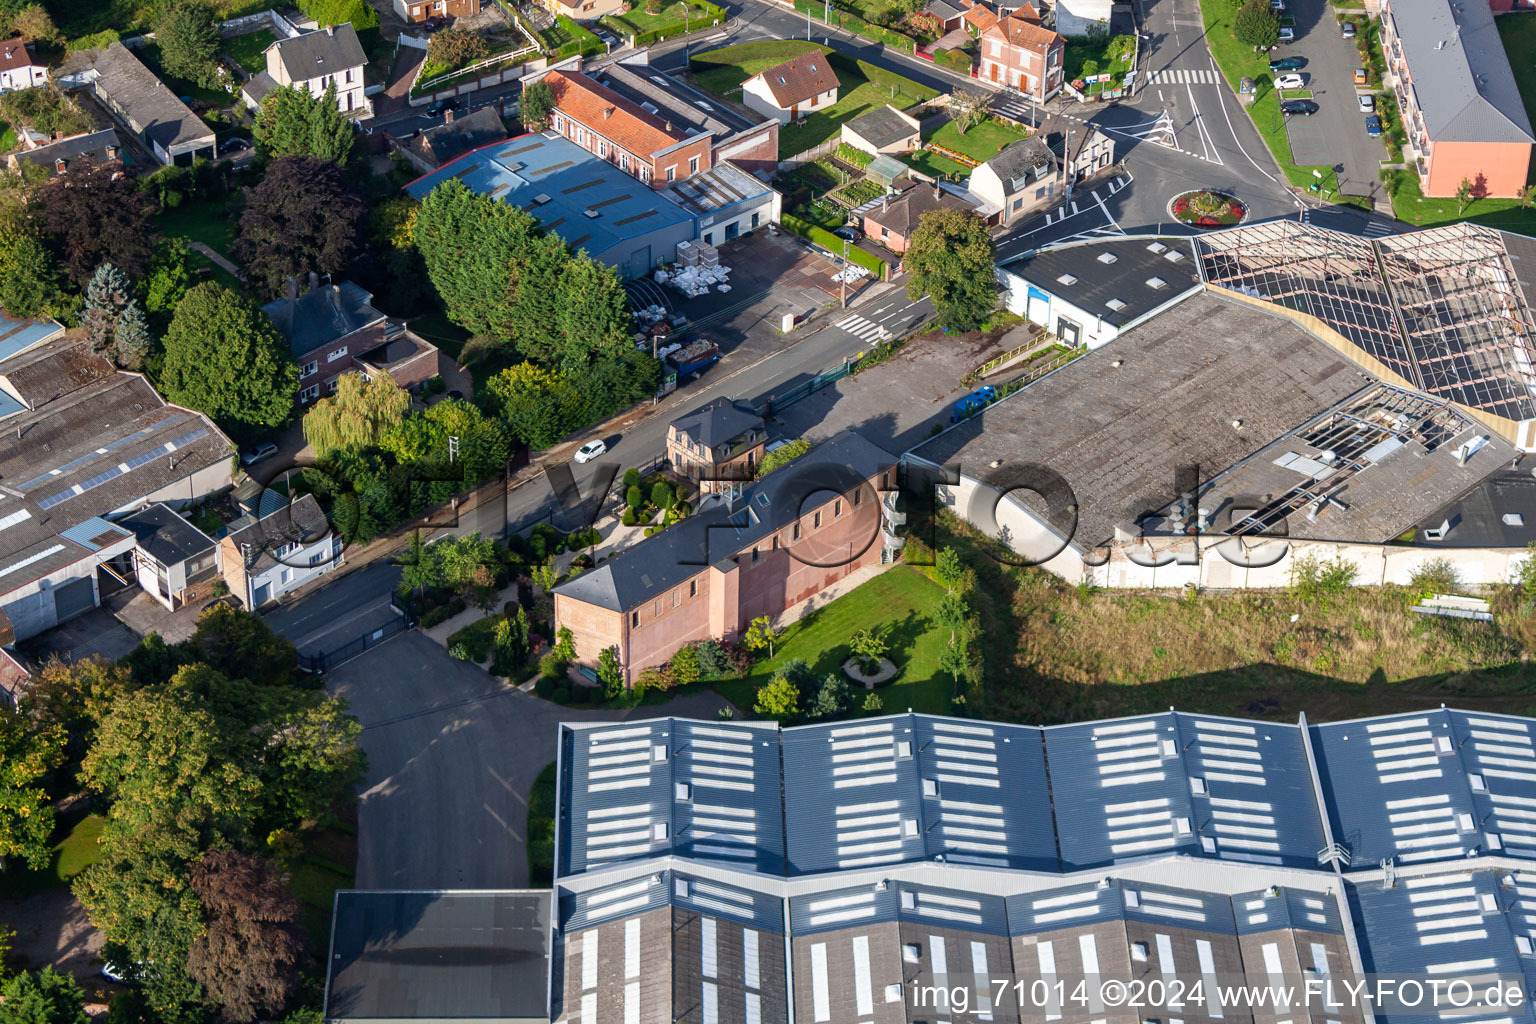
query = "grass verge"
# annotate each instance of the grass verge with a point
(902, 599)
(539, 843)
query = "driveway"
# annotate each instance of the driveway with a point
(1336, 133)
(452, 754)
(341, 610)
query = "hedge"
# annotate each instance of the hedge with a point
(854, 23)
(708, 14)
(582, 41)
(95, 41)
(956, 60)
(830, 242)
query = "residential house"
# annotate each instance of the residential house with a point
(86, 442)
(615, 129)
(19, 66)
(140, 102)
(786, 538)
(429, 149)
(585, 10)
(978, 18)
(716, 444)
(794, 89)
(1081, 149)
(315, 61)
(265, 558)
(174, 561)
(333, 329)
(1083, 17)
(892, 222)
(58, 157)
(1460, 103)
(951, 15)
(420, 10)
(883, 130)
(1020, 53)
(1019, 180)
(748, 140)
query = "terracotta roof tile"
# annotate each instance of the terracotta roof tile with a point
(604, 111)
(797, 80)
(17, 53)
(980, 17)
(1019, 31)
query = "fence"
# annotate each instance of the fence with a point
(249, 23)
(319, 664)
(811, 155)
(807, 388)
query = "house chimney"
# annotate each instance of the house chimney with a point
(314, 280)
(448, 116)
(291, 288)
(330, 30)
(607, 113)
(669, 126)
(59, 164)
(111, 152)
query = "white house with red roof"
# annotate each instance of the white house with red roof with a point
(19, 66)
(794, 89)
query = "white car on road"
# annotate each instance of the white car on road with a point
(590, 451)
(1289, 82)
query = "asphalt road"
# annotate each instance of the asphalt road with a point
(339, 611)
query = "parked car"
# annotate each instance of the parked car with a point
(1288, 64)
(260, 453)
(1290, 82)
(1373, 126)
(1347, 28)
(590, 450)
(1367, 103)
(451, 103)
(234, 145)
(1359, 76)
(1287, 34)
(1277, 5)
(436, 22)
(847, 232)
(1305, 108)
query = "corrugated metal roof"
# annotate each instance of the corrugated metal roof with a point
(1285, 907)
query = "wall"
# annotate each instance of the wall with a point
(247, 24)
(737, 219)
(1503, 166)
(756, 149)
(30, 606)
(189, 489)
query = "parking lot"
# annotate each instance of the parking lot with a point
(1335, 135)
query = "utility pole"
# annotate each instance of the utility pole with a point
(1066, 160)
(845, 273)
(807, 26)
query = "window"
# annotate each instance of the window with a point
(858, 496)
(756, 218)
(623, 161)
(672, 173)
(634, 618)
(310, 393)
(332, 385)
(795, 533)
(885, 232)
(677, 598)
(1018, 204)
(775, 542)
(754, 556)
(816, 521)
(657, 608)
(815, 99)
(693, 588)
(308, 368)
(837, 508)
(332, 357)
(559, 124)
(317, 558)
(693, 165)
(997, 48)
(602, 148)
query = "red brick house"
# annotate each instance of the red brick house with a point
(717, 442)
(893, 221)
(786, 538)
(618, 130)
(421, 10)
(1021, 53)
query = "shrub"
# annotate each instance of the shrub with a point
(628, 518)
(1436, 576)
(830, 242)
(442, 613)
(544, 687)
(561, 695)
(685, 665)
(459, 652)
(1314, 580)
(552, 666)
(713, 662)
(634, 497)
(631, 478)
(662, 494)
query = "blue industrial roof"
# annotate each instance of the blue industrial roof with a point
(92, 533)
(1285, 907)
(704, 896)
(1429, 785)
(916, 787)
(1193, 784)
(561, 184)
(708, 791)
(16, 336)
(898, 901)
(1447, 926)
(1118, 899)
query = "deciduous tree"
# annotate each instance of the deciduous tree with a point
(361, 412)
(188, 34)
(760, 634)
(29, 284)
(224, 357)
(249, 956)
(170, 275)
(94, 214)
(303, 217)
(32, 21)
(610, 672)
(295, 122)
(536, 105)
(27, 755)
(950, 259)
(967, 108)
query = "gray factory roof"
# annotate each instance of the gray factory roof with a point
(1499, 512)
(1117, 423)
(1461, 74)
(676, 101)
(149, 103)
(1367, 470)
(1119, 281)
(439, 956)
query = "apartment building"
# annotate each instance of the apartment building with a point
(715, 444)
(1460, 103)
(640, 143)
(783, 539)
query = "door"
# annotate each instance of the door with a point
(261, 595)
(994, 71)
(74, 597)
(732, 230)
(794, 112)
(1068, 331)
(640, 262)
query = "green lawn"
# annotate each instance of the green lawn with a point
(636, 20)
(206, 222)
(8, 138)
(901, 599)
(565, 32)
(539, 839)
(150, 55)
(74, 850)
(440, 331)
(247, 50)
(981, 143)
(1237, 61)
(723, 71)
(935, 165)
(1098, 55)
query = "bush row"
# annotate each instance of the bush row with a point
(830, 242)
(857, 25)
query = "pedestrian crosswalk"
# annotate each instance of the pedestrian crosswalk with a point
(864, 330)
(1376, 229)
(1372, 229)
(1182, 76)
